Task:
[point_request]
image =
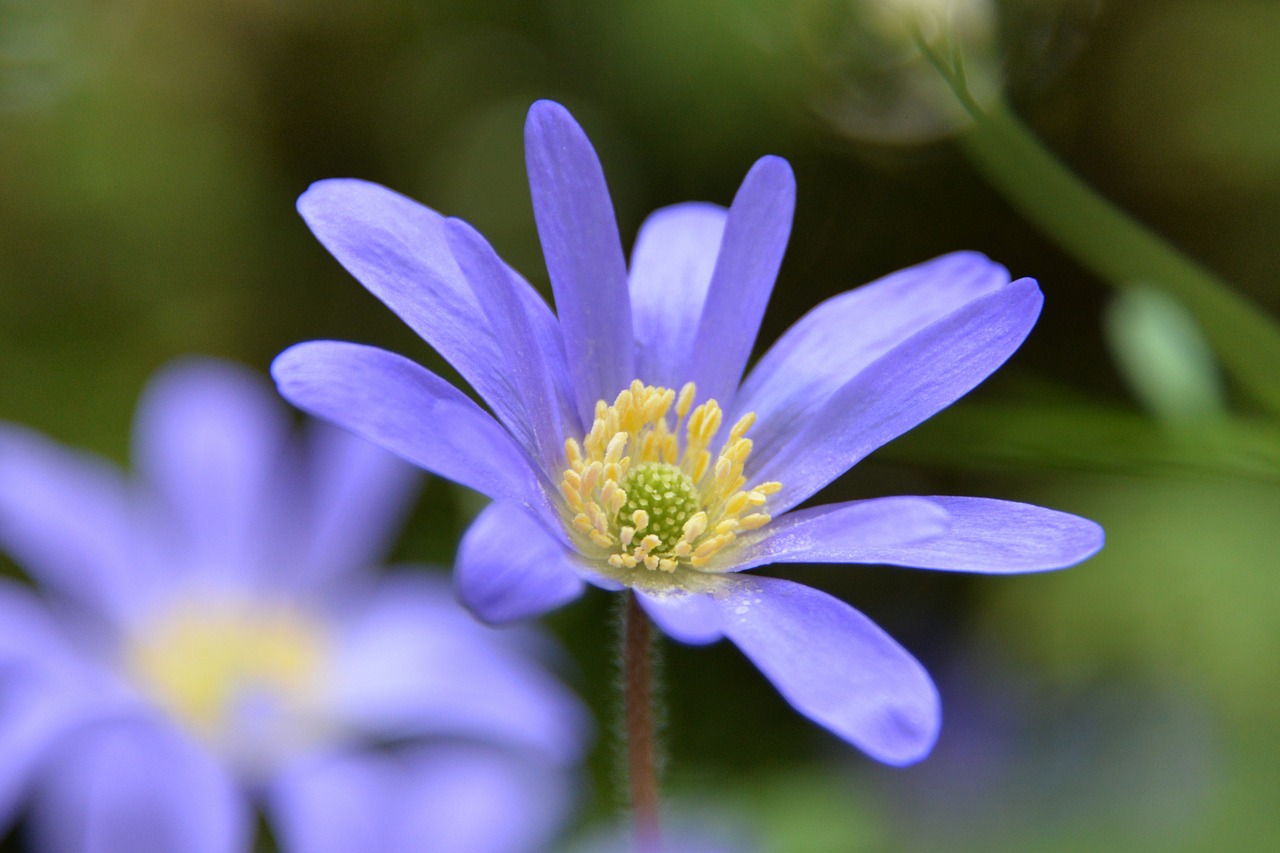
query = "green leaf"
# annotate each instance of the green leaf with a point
(1163, 356)
(1118, 248)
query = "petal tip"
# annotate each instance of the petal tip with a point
(546, 116)
(776, 173)
(1030, 285)
(905, 732)
(509, 568)
(546, 106)
(285, 367)
(461, 234)
(1093, 540)
(320, 194)
(775, 166)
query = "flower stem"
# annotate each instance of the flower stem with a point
(1116, 246)
(642, 770)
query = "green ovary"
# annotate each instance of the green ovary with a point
(665, 494)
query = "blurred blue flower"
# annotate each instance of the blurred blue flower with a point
(212, 637)
(648, 492)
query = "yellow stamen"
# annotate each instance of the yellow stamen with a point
(635, 489)
(201, 660)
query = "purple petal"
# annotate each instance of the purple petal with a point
(29, 632)
(583, 252)
(689, 617)
(472, 801)
(410, 662)
(209, 438)
(65, 519)
(397, 249)
(360, 495)
(408, 410)
(135, 786)
(539, 377)
(335, 803)
(842, 336)
(509, 567)
(996, 537)
(854, 532)
(43, 706)
(835, 666)
(755, 238)
(671, 266)
(455, 798)
(916, 379)
(39, 702)
(30, 723)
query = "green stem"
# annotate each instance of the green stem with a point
(642, 771)
(1118, 248)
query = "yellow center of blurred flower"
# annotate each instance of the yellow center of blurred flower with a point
(639, 496)
(243, 675)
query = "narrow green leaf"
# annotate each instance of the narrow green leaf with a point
(1164, 356)
(1118, 248)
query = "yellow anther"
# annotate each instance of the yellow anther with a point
(657, 405)
(685, 400)
(591, 477)
(572, 453)
(737, 503)
(711, 425)
(599, 519)
(617, 502)
(617, 445)
(571, 496)
(708, 548)
(623, 402)
(737, 450)
(740, 428)
(695, 526)
(644, 485)
(697, 467)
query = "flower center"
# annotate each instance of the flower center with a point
(242, 675)
(666, 496)
(640, 496)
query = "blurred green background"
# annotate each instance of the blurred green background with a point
(150, 154)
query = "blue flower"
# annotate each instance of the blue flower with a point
(626, 449)
(212, 637)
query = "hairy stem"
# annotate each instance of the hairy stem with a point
(642, 770)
